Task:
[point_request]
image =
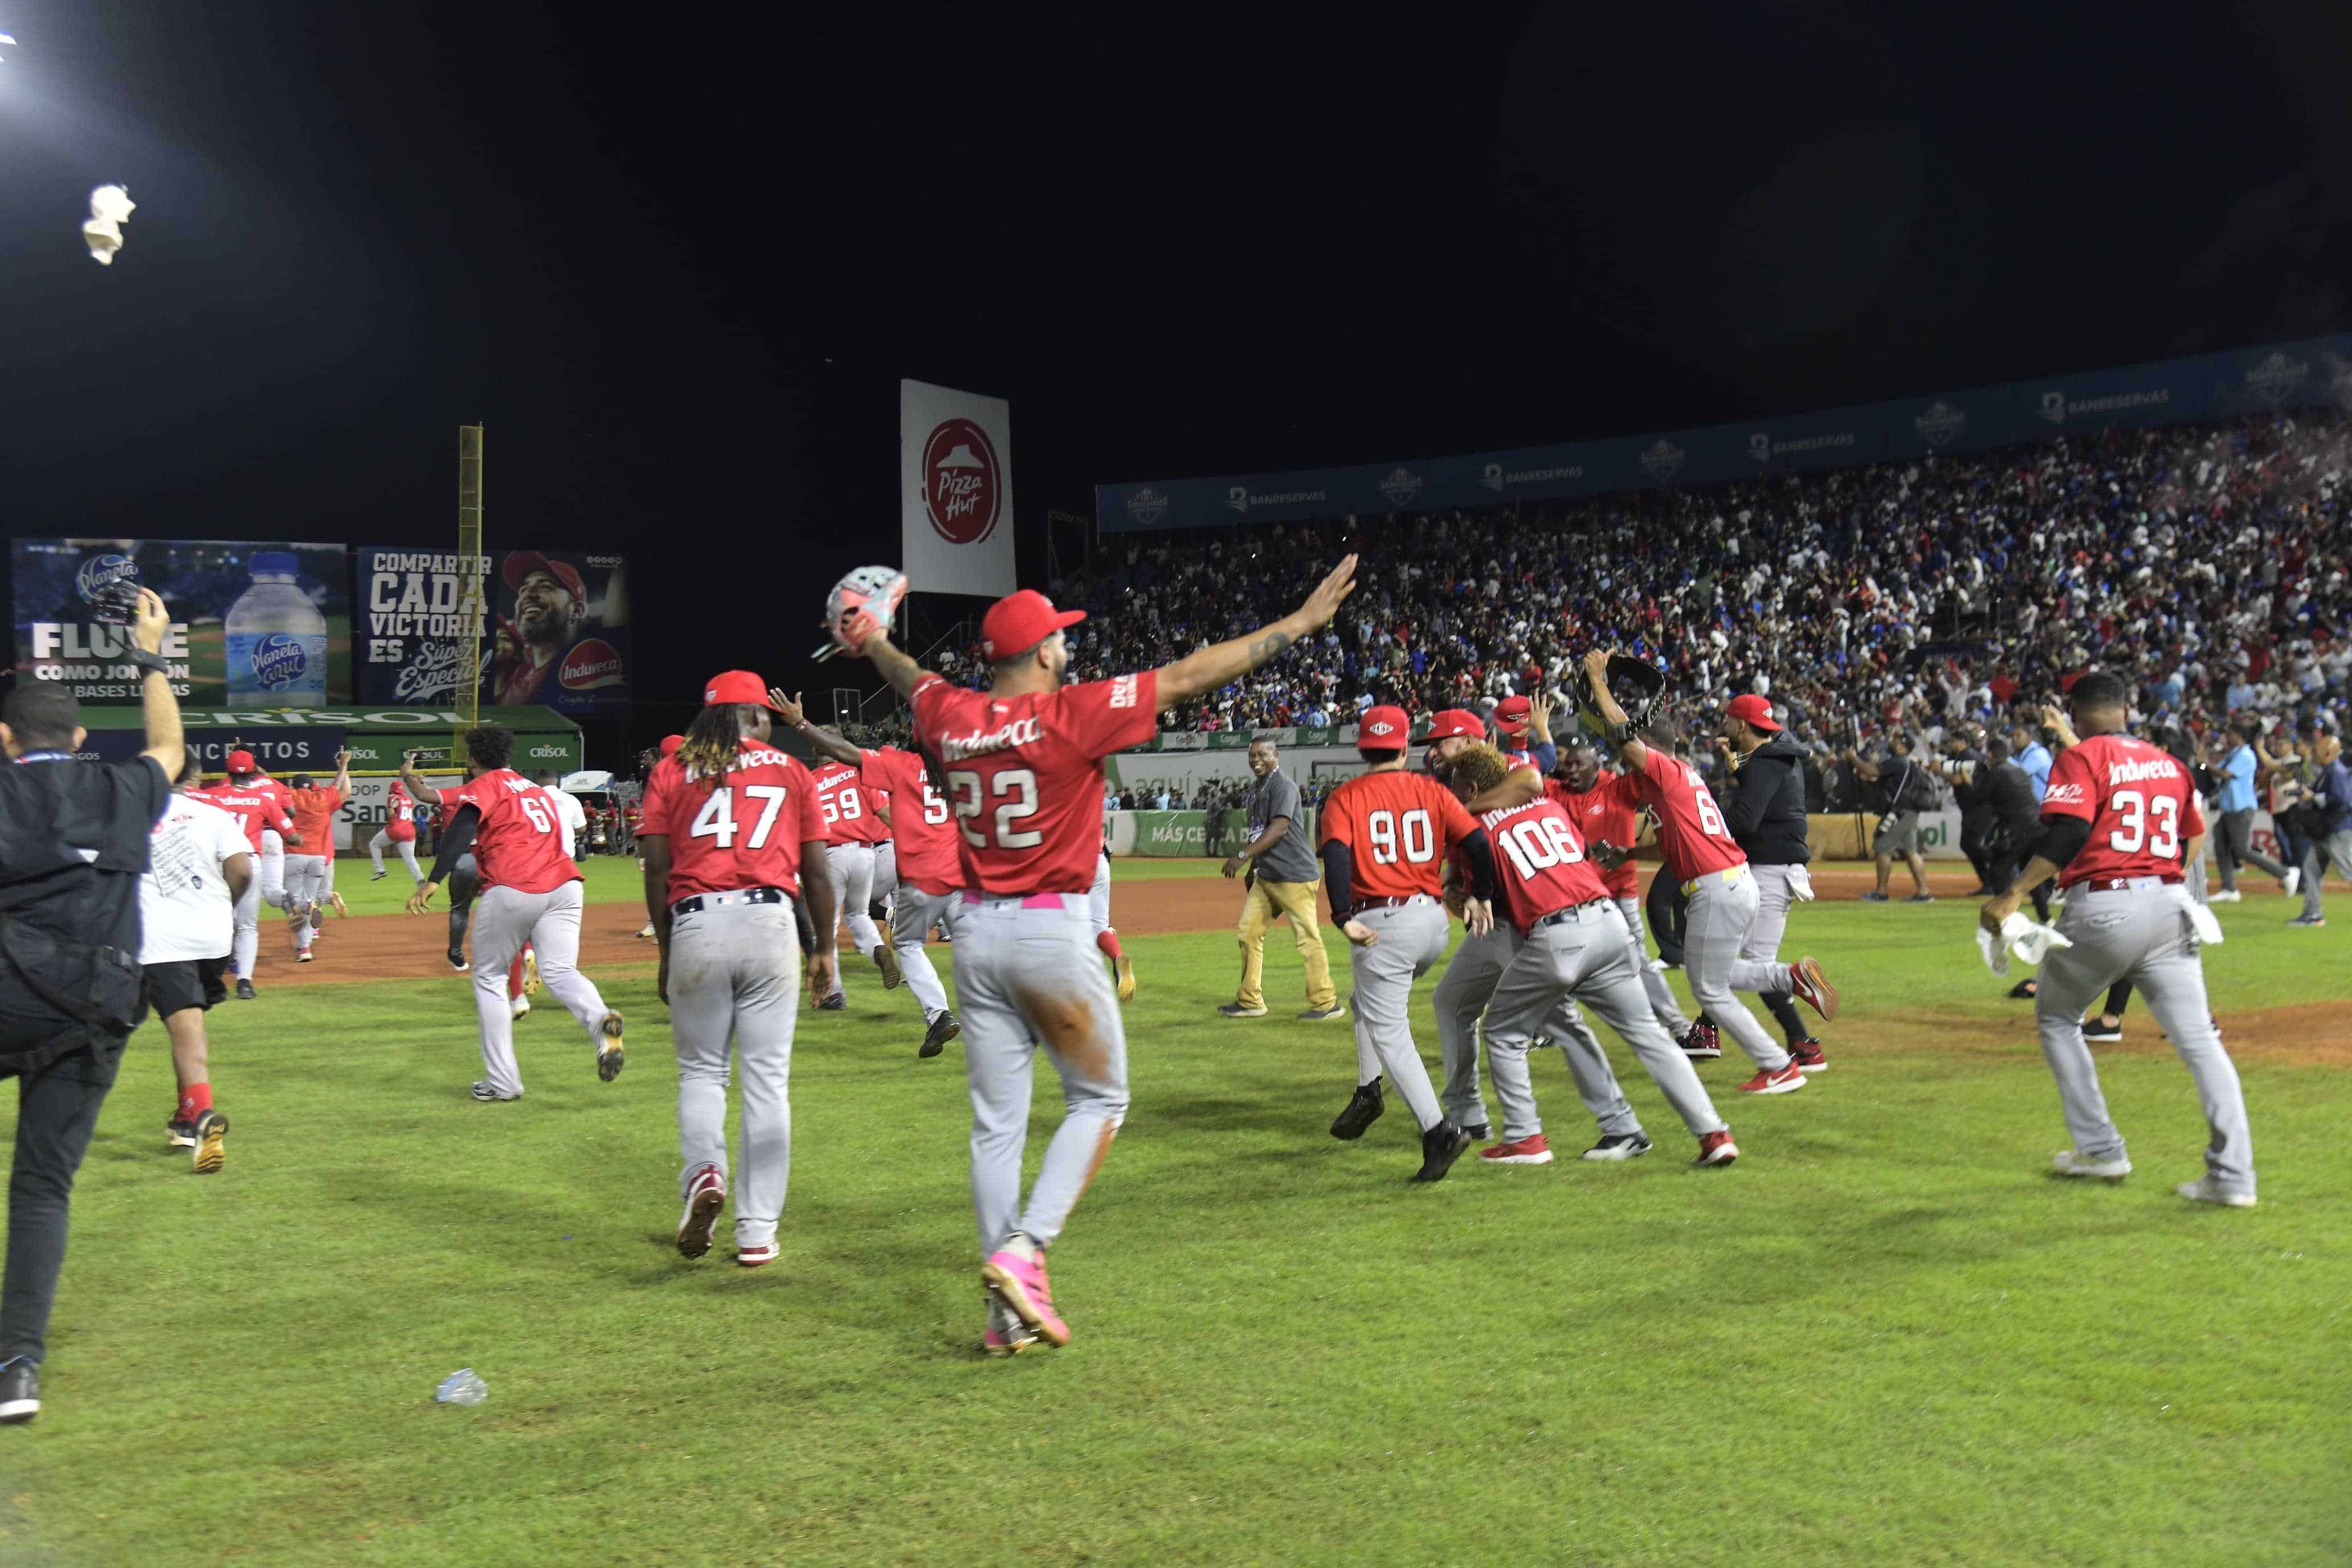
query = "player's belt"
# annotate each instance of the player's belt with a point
(1391, 903)
(2122, 884)
(1573, 912)
(1728, 876)
(702, 901)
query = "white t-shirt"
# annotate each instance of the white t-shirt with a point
(184, 909)
(573, 817)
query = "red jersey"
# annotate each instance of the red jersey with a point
(1396, 825)
(1691, 831)
(1607, 813)
(518, 842)
(1539, 864)
(400, 818)
(928, 861)
(744, 830)
(2139, 801)
(254, 808)
(314, 813)
(1024, 775)
(841, 800)
(282, 797)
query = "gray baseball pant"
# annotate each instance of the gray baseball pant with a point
(505, 918)
(2235, 846)
(245, 945)
(306, 886)
(1716, 930)
(885, 872)
(1027, 973)
(735, 971)
(1654, 985)
(2335, 848)
(913, 912)
(1098, 896)
(1412, 938)
(2139, 933)
(1775, 895)
(1463, 992)
(273, 868)
(851, 868)
(406, 846)
(1584, 955)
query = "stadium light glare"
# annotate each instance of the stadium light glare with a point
(11, 42)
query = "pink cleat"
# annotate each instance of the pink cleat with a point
(1020, 1283)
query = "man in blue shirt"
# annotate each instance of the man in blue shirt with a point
(2331, 823)
(2233, 835)
(2028, 752)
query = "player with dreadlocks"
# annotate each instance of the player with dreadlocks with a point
(729, 823)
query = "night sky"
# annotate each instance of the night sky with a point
(676, 261)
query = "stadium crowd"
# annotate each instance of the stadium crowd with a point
(2207, 564)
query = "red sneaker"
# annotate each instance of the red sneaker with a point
(1529, 1150)
(1716, 1149)
(1702, 1043)
(1813, 988)
(705, 1197)
(1788, 1080)
(1808, 1054)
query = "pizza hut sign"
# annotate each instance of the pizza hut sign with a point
(963, 484)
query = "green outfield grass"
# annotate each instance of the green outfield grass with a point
(1884, 1337)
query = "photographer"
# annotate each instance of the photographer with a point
(73, 845)
(1898, 789)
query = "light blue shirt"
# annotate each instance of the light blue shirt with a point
(2237, 771)
(2035, 761)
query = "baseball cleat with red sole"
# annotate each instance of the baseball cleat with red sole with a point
(1021, 1284)
(1788, 1080)
(1716, 1149)
(1809, 1055)
(754, 1256)
(1813, 988)
(610, 1057)
(704, 1198)
(1701, 1043)
(1529, 1150)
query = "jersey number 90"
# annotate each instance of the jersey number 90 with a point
(1413, 833)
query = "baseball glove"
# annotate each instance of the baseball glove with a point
(1640, 689)
(861, 604)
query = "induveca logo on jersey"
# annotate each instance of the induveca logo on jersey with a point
(963, 485)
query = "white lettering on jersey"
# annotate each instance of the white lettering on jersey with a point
(1020, 733)
(2133, 773)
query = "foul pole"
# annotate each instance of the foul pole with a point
(471, 612)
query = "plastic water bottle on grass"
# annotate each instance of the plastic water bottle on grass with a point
(461, 1387)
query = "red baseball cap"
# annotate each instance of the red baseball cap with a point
(1456, 721)
(1511, 715)
(1019, 622)
(242, 762)
(1384, 729)
(523, 562)
(728, 686)
(1754, 709)
(670, 743)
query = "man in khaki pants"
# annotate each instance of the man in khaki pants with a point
(1282, 877)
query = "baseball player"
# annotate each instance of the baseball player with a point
(1107, 941)
(853, 828)
(1764, 806)
(260, 814)
(1384, 834)
(398, 833)
(1463, 990)
(531, 893)
(273, 840)
(1697, 848)
(729, 822)
(1568, 939)
(314, 809)
(2118, 817)
(199, 866)
(1606, 807)
(1023, 766)
(669, 746)
(931, 870)
(1523, 734)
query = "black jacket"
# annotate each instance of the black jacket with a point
(1764, 804)
(1903, 786)
(2010, 794)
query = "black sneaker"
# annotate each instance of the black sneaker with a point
(1702, 1043)
(943, 1028)
(1364, 1108)
(1440, 1147)
(2023, 990)
(20, 1391)
(835, 1002)
(377, 878)
(245, 990)
(2098, 1034)
(1619, 1146)
(458, 961)
(179, 1134)
(1479, 1132)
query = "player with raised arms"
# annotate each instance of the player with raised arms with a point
(731, 826)
(2120, 821)
(1023, 766)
